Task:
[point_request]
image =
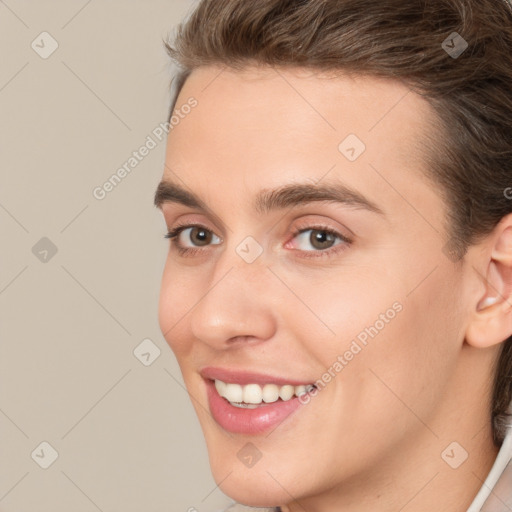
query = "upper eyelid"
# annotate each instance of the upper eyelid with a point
(182, 227)
(305, 210)
(312, 255)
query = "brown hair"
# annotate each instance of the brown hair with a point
(403, 40)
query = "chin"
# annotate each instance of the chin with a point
(250, 492)
(258, 486)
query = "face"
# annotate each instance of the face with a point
(309, 251)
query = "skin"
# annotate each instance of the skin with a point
(372, 439)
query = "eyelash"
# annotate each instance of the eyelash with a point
(173, 234)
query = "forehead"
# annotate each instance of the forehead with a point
(264, 127)
(323, 100)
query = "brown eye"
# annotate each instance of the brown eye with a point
(321, 239)
(200, 236)
(318, 242)
(317, 239)
(189, 236)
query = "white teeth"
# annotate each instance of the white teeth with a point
(286, 392)
(251, 395)
(243, 405)
(300, 390)
(220, 387)
(270, 393)
(233, 392)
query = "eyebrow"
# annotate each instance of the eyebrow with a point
(267, 200)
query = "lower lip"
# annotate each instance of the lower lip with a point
(248, 421)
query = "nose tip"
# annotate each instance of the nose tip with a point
(235, 309)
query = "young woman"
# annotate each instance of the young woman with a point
(338, 289)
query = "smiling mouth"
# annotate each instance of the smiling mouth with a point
(251, 396)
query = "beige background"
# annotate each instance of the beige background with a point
(126, 435)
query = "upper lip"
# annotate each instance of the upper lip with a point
(244, 377)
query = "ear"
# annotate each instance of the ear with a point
(491, 319)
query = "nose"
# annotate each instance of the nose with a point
(237, 306)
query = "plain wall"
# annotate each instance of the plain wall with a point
(126, 434)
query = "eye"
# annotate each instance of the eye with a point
(199, 235)
(188, 240)
(322, 240)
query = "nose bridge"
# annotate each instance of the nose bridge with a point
(242, 273)
(244, 259)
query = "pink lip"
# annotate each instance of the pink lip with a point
(248, 421)
(244, 377)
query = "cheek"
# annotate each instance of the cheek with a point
(175, 302)
(407, 365)
(388, 346)
(348, 313)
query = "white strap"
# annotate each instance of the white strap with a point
(502, 460)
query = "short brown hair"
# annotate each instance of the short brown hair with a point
(403, 40)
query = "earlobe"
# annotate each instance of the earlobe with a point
(491, 320)
(490, 325)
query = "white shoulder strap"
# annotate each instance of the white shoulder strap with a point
(502, 468)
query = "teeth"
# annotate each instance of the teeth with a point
(286, 392)
(234, 392)
(251, 395)
(243, 405)
(300, 390)
(220, 387)
(270, 393)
